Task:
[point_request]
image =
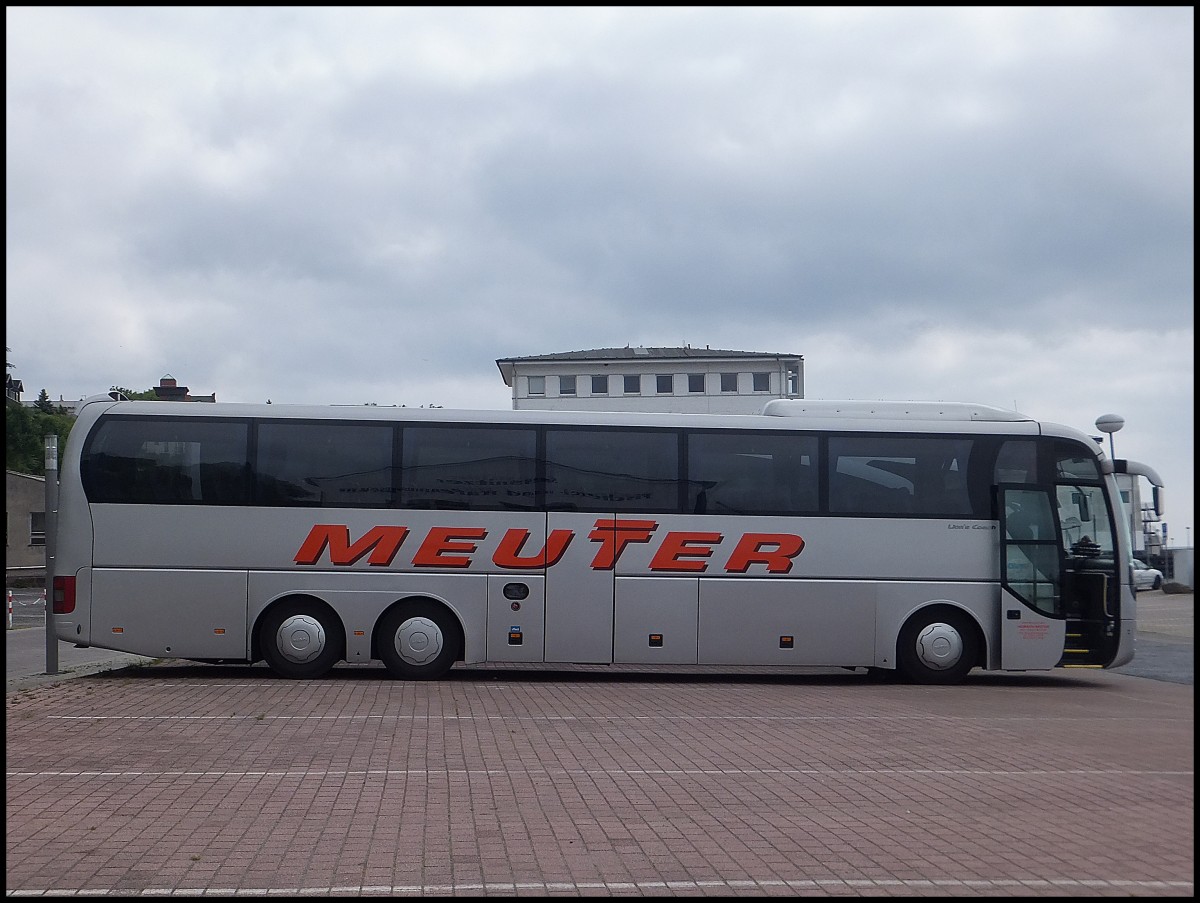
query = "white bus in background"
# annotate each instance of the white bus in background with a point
(921, 538)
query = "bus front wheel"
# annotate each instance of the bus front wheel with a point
(938, 647)
(419, 641)
(301, 639)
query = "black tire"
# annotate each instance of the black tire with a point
(301, 639)
(419, 640)
(1157, 583)
(939, 646)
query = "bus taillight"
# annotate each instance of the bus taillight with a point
(64, 595)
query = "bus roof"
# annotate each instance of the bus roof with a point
(891, 410)
(786, 414)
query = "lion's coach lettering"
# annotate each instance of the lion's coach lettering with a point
(680, 551)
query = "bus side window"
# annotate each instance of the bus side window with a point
(1017, 462)
(612, 470)
(857, 495)
(469, 468)
(902, 474)
(109, 477)
(225, 483)
(169, 485)
(324, 465)
(752, 474)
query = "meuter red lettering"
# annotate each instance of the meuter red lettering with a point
(382, 542)
(775, 550)
(614, 536)
(508, 553)
(440, 542)
(678, 545)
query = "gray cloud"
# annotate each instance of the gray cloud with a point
(310, 204)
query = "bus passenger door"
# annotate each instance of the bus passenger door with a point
(1091, 592)
(579, 589)
(1032, 624)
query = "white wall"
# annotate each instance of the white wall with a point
(1183, 564)
(679, 400)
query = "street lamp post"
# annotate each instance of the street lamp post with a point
(51, 449)
(1110, 423)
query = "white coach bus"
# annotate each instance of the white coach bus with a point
(920, 538)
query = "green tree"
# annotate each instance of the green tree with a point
(43, 402)
(148, 395)
(25, 430)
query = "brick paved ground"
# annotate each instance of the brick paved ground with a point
(185, 779)
(1168, 614)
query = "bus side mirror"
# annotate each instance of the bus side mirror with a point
(1159, 506)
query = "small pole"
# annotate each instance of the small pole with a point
(51, 547)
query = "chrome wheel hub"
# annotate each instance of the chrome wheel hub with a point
(300, 639)
(419, 641)
(939, 647)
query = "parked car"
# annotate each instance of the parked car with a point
(1146, 577)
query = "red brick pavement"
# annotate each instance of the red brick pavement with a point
(185, 779)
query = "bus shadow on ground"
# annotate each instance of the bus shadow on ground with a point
(583, 674)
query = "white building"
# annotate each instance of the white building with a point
(674, 380)
(24, 520)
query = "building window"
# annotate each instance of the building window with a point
(729, 382)
(537, 385)
(793, 380)
(695, 382)
(663, 383)
(566, 385)
(599, 385)
(37, 528)
(633, 384)
(762, 382)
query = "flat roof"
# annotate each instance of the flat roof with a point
(638, 353)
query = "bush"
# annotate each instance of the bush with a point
(25, 430)
(1172, 587)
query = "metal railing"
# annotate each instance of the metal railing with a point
(35, 570)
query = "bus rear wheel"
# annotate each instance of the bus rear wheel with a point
(937, 647)
(419, 641)
(301, 639)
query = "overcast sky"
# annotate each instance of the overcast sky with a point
(373, 205)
